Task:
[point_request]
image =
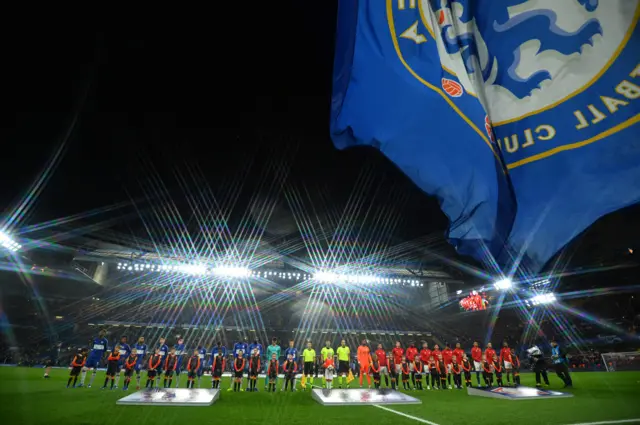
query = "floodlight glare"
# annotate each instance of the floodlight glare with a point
(231, 271)
(8, 243)
(327, 277)
(193, 269)
(331, 277)
(542, 299)
(503, 284)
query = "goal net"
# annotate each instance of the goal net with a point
(615, 362)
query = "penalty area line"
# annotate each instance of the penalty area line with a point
(424, 421)
(622, 421)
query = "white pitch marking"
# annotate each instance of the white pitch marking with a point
(424, 421)
(623, 421)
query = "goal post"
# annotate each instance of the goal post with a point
(616, 362)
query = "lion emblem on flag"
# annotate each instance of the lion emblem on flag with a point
(502, 35)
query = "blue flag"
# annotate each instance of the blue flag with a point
(520, 117)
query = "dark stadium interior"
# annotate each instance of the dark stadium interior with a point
(59, 302)
(141, 147)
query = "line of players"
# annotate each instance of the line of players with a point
(438, 367)
(399, 365)
(168, 362)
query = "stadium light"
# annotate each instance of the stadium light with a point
(231, 271)
(8, 243)
(191, 269)
(199, 269)
(270, 274)
(542, 299)
(503, 284)
(331, 277)
(539, 284)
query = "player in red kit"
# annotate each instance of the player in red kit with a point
(436, 351)
(476, 356)
(489, 352)
(384, 365)
(458, 352)
(411, 354)
(397, 352)
(506, 359)
(447, 356)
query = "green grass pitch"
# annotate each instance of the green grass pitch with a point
(28, 399)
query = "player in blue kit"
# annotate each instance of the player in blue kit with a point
(163, 351)
(202, 354)
(180, 347)
(141, 352)
(241, 346)
(125, 350)
(163, 348)
(218, 350)
(293, 352)
(256, 346)
(98, 347)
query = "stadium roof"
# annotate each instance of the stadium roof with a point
(406, 262)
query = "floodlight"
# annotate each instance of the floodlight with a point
(503, 284)
(231, 271)
(539, 284)
(327, 277)
(331, 277)
(8, 243)
(542, 299)
(193, 269)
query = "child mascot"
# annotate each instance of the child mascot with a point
(329, 372)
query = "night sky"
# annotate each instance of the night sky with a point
(238, 100)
